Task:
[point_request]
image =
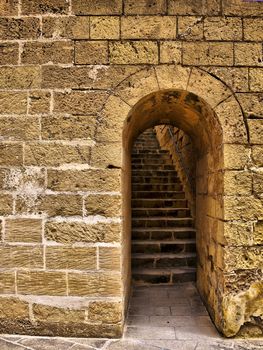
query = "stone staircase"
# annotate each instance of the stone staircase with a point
(163, 234)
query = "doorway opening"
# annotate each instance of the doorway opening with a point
(163, 210)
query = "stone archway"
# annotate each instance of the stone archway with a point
(205, 108)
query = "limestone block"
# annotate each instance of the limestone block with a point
(8, 53)
(41, 283)
(148, 27)
(134, 88)
(208, 54)
(256, 79)
(104, 205)
(71, 258)
(253, 29)
(45, 313)
(63, 127)
(23, 230)
(251, 104)
(237, 281)
(238, 233)
(91, 52)
(106, 155)
(81, 232)
(94, 284)
(52, 205)
(70, 27)
(48, 154)
(11, 154)
(235, 78)
(90, 77)
(9, 8)
(243, 258)
(97, 7)
(255, 127)
(21, 256)
(109, 258)
(257, 155)
(173, 76)
(105, 311)
(7, 282)
(248, 54)
(144, 7)
(205, 86)
(241, 8)
(190, 28)
(230, 116)
(243, 208)
(111, 120)
(13, 308)
(49, 6)
(258, 182)
(48, 52)
(13, 102)
(39, 102)
(19, 129)
(258, 233)
(170, 52)
(192, 7)
(105, 27)
(19, 28)
(223, 28)
(235, 156)
(100, 180)
(133, 52)
(22, 77)
(238, 183)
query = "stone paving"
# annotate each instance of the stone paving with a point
(167, 318)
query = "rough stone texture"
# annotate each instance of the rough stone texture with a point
(48, 6)
(133, 52)
(19, 28)
(105, 205)
(39, 102)
(23, 230)
(8, 53)
(104, 27)
(19, 77)
(108, 312)
(91, 52)
(66, 27)
(19, 128)
(97, 7)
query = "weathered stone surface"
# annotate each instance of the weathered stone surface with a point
(41, 283)
(242, 258)
(52, 205)
(248, 54)
(21, 256)
(208, 54)
(47, 313)
(63, 127)
(9, 8)
(223, 28)
(23, 230)
(258, 182)
(106, 155)
(170, 52)
(133, 52)
(39, 102)
(257, 155)
(258, 233)
(109, 258)
(100, 180)
(148, 27)
(105, 27)
(11, 154)
(91, 52)
(48, 6)
(13, 102)
(7, 282)
(79, 102)
(69, 27)
(69, 258)
(19, 28)
(238, 233)
(238, 182)
(13, 308)
(190, 7)
(19, 129)
(77, 232)
(253, 29)
(94, 284)
(105, 205)
(255, 127)
(168, 76)
(238, 208)
(97, 7)
(48, 52)
(22, 77)
(241, 8)
(256, 79)
(106, 312)
(251, 104)
(190, 28)
(48, 154)
(235, 78)
(8, 53)
(144, 7)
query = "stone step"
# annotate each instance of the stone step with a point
(158, 194)
(154, 167)
(157, 260)
(153, 172)
(148, 155)
(157, 187)
(160, 221)
(163, 275)
(163, 233)
(159, 203)
(155, 179)
(164, 212)
(145, 161)
(148, 151)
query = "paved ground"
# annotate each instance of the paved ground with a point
(167, 318)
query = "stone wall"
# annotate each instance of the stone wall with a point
(71, 72)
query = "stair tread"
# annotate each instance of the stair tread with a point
(161, 218)
(164, 241)
(163, 208)
(165, 229)
(164, 271)
(163, 255)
